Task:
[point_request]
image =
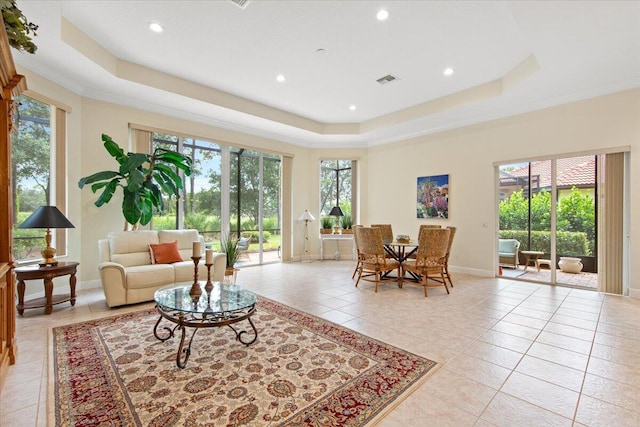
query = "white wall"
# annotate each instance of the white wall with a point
(468, 155)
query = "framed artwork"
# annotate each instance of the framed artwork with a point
(433, 197)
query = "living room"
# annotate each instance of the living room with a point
(599, 121)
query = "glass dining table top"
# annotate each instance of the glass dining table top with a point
(223, 297)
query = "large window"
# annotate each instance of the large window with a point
(32, 172)
(336, 187)
(231, 190)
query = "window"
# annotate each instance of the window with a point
(251, 202)
(336, 187)
(33, 177)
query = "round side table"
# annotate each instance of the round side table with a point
(46, 274)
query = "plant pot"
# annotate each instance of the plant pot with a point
(230, 275)
(326, 231)
(347, 231)
(570, 265)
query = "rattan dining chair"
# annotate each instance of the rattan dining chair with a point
(374, 262)
(423, 227)
(446, 260)
(387, 236)
(430, 257)
(358, 253)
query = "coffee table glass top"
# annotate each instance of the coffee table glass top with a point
(223, 298)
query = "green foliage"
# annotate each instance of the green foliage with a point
(201, 222)
(255, 236)
(144, 178)
(229, 246)
(568, 243)
(270, 223)
(18, 27)
(346, 222)
(576, 213)
(326, 222)
(27, 242)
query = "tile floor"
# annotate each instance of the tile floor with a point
(510, 353)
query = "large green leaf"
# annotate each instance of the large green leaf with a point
(133, 162)
(98, 176)
(131, 207)
(169, 175)
(106, 195)
(135, 180)
(113, 148)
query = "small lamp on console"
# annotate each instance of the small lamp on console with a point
(337, 212)
(47, 217)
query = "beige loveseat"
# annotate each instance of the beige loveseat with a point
(126, 271)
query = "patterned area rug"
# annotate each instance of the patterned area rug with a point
(302, 371)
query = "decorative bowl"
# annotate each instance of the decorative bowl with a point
(402, 238)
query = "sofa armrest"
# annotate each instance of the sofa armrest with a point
(113, 277)
(219, 265)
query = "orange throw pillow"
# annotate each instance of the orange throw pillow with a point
(165, 253)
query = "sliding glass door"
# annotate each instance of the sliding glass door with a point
(549, 207)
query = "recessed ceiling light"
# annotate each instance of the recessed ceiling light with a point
(382, 15)
(155, 27)
(448, 71)
(280, 78)
(321, 51)
(352, 107)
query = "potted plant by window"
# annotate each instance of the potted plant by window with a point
(326, 224)
(145, 180)
(229, 246)
(346, 223)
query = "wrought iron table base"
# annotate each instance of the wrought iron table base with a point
(184, 320)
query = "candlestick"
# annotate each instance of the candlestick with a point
(209, 286)
(197, 249)
(195, 288)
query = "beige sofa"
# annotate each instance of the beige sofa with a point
(126, 271)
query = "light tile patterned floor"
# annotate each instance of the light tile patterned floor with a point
(510, 353)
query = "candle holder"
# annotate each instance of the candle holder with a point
(195, 288)
(209, 286)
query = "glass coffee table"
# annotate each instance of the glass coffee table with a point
(218, 305)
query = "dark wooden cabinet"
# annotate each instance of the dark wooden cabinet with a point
(12, 84)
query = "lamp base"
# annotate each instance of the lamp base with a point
(46, 263)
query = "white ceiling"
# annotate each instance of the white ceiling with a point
(217, 63)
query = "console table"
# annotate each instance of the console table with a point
(46, 274)
(337, 238)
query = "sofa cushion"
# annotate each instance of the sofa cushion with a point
(185, 239)
(184, 271)
(149, 276)
(165, 253)
(131, 247)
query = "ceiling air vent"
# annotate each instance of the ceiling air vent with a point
(242, 4)
(387, 79)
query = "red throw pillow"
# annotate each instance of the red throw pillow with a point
(165, 253)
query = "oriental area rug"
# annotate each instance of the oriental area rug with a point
(301, 371)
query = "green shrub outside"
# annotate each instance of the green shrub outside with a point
(568, 243)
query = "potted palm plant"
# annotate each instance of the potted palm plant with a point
(346, 222)
(229, 246)
(326, 224)
(144, 179)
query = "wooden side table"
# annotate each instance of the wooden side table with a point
(46, 274)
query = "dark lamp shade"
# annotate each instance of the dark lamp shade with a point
(46, 217)
(336, 211)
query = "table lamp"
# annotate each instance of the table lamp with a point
(337, 212)
(47, 217)
(306, 217)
